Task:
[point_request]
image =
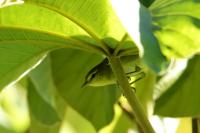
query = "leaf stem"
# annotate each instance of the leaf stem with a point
(195, 125)
(119, 45)
(138, 111)
(129, 51)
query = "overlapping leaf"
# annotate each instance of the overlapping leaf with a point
(177, 26)
(69, 69)
(17, 55)
(94, 16)
(41, 94)
(29, 30)
(182, 98)
(137, 20)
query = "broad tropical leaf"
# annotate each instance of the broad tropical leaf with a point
(41, 110)
(29, 30)
(69, 69)
(144, 90)
(17, 56)
(93, 16)
(176, 26)
(140, 29)
(41, 94)
(182, 98)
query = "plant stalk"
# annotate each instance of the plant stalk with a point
(195, 125)
(138, 111)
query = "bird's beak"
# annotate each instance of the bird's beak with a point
(84, 84)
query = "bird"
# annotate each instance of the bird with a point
(102, 75)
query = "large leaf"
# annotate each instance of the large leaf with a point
(40, 108)
(177, 26)
(91, 18)
(144, 91)
(28, 31)
(182, 99)
(140, 29)
(37, 127)
(69, 69)
(21, 48)
(41, 94)
(17, 55)
(94, 16)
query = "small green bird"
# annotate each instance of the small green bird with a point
(102, 74)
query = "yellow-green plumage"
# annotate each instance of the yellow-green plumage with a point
(102, 74)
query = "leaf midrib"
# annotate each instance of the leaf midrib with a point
(175, 14)
(75, 21)
(76, 42)
(158, 7)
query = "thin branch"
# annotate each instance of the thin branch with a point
(136, 106)
(195, 125)
(119, 45)
(128, 52)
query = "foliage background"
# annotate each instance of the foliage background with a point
(48, 46)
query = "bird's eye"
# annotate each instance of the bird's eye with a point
(92, 75)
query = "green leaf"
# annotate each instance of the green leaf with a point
(49, 25)
(177, 26)
(182, 98)
(69, 69)
(144, 90)
(140, 29)
(25, 39)
(37, 127)
(41, 110)
(18, 56)
(6, 130)
(93, 16)
(52, 28)
(41, 94)
(83, 19)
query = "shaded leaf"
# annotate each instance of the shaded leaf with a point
(140, 29)
(144, 90)
(41, 110)
(182, 99)
(69, 69)
(37, 127)
(41, 94)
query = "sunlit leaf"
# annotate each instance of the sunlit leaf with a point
(177, 26)
(93, 16)
(21, 49)
(28, 31)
